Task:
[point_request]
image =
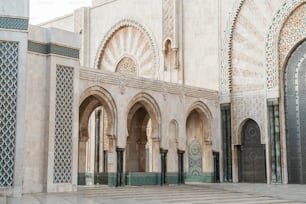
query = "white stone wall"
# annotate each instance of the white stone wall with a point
(40, 106)
(202, 22)
(18, 8)
(64, 22)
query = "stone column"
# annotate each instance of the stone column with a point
(119, 175)
(97, 144)
(180, 155)
(155, 154)
(163, 154)
(275, 151)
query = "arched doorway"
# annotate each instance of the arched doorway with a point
(142, 161)
(252, 168)
(295, 118)
(139, 141)
(199, 150)
(96, 137)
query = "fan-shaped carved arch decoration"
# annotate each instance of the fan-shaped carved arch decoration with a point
(272, 40)
(128, 37)
(127, 66)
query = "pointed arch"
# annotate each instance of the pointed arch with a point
(92, 98)
(272, 40)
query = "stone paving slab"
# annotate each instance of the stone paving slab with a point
(181, 194)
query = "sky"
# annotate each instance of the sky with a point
(44, 10)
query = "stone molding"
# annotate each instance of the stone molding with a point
(99, 76)
(225, 83)
(51, 48)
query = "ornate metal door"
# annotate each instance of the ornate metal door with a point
(251, 155)
(295, 108)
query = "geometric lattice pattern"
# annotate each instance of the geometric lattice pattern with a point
(195, 159)
(63, 125)
(8, 109)
(14, 23)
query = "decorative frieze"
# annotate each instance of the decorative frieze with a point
(101, 77)
(50, 48)
(14, 23)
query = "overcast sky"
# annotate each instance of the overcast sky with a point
(44, 10)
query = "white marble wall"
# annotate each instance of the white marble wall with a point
(17, 8)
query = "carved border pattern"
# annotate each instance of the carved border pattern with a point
(141, 28)
(272, 41)
(95, 77)
(227, 47)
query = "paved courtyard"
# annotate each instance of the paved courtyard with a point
(195, 194)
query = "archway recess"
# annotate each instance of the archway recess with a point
(251, 154)
(97, 125)
(142, 160)
(199, 146)
(295, 119)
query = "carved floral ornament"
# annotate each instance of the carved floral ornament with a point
(127, 66)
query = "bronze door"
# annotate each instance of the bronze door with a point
(252, 167)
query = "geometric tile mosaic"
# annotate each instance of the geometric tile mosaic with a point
(14, 23)
(272, 41)
(8, 109)
(195, 158)
(63, 125)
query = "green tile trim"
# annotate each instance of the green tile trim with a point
(14, 23)
(172, 178)
(101, 178)
(204, 178)
(64, 51)
(53, 49)
(38, 48)
(81, 179)
(142, 178)
(112, 179)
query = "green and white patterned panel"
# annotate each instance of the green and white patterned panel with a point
(8, 109)
(195, 159)
(63, 125)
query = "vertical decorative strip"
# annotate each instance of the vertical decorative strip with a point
(227, 142)
(97, 142)
(8, 110)
(276, 170)
(63, 125)
(277, 144)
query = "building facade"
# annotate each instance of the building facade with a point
(145, 92)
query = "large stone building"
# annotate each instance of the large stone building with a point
(153, 92)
